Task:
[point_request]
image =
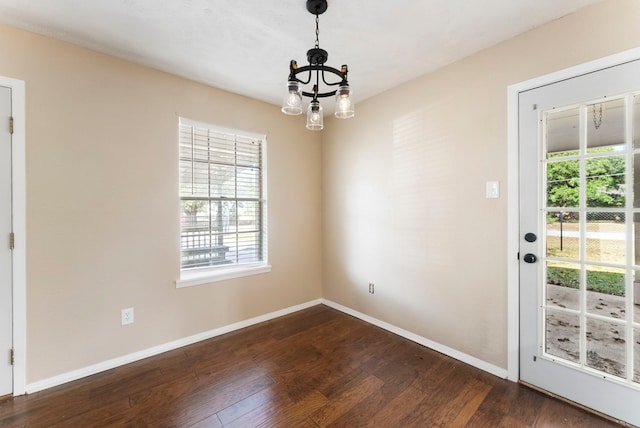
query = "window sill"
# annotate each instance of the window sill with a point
(198, 277)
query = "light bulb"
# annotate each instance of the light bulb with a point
(343, 103)
(314, 116)
(292, 99)
(292, 102)
(344, 106)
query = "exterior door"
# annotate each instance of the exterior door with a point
(6, 309)
(579, 163)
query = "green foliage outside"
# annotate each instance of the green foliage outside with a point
(602, 282)
(605, 180)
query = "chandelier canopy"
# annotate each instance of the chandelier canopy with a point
(316, 73)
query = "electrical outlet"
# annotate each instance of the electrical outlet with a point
(371, 288)
(127, 316)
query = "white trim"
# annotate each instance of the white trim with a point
(197, 277)
(513, 238)
(18, 162)
(222, 129)
(461, 356)
(150, 352)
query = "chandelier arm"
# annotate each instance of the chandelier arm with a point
(292, 76)
(322, 68)
(318, 69)
(341, 82)
(316, 87)
(319, 94)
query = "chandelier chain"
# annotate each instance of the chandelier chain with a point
(317, 30)
(597, 122)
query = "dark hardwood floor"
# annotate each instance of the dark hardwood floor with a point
(317, 367)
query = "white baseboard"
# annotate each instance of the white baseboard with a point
(130, 358)
(461, 356)
(150, 352)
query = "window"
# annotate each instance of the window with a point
(222, 221)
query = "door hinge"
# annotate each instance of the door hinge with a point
(12, 241)
(10, 124)
(13, 357)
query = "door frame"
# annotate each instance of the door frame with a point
(18, 185)
(513, 174)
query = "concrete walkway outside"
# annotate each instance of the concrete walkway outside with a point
(606, 341)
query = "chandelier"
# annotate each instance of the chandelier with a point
(316, 73)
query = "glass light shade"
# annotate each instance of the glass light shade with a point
(292, 102)
(314, 116)
(344, 106)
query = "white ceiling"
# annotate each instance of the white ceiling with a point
(244, 46)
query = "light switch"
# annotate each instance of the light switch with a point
(493, 189)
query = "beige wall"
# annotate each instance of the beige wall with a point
(102, 206)
(404, 200)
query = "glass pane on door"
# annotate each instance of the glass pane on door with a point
(606, 291)
(563, 234)
(606, 347)
(562, 132)
(591, 310)
(606, 238)
(564, 338)
(605, 126)
(563, 285)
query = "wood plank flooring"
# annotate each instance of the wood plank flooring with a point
(315, 368)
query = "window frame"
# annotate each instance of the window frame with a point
(191, 276)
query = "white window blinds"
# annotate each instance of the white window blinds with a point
(222, 204)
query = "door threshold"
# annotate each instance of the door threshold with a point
(574, 404)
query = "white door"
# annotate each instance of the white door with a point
(6, 317)
(579, 162)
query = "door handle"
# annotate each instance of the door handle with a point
(530, 258)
